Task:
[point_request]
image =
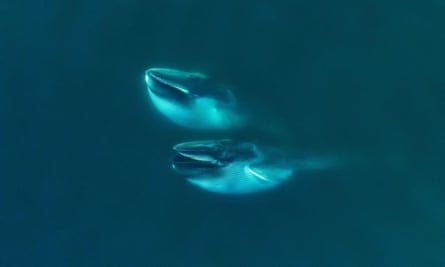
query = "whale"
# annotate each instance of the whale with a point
(193, 100)
(228, 167)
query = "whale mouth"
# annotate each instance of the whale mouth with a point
(200, 156)
(183, 85)
(197, 157)
(187, 166)
(171, 83)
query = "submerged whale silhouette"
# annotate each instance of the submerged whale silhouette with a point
(193, 100)
(228, 167)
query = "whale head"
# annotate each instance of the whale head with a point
(192, 100)
(227, 167)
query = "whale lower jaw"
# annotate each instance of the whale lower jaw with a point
(172, 111)
(240, 178)
(201, 114)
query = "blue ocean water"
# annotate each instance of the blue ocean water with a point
(85, 179)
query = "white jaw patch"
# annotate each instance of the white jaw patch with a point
(203, 113)
(174, 112)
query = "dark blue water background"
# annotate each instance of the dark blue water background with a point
(84, 156)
